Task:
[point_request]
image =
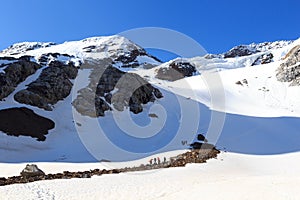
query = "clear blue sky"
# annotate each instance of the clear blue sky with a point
(217, 25)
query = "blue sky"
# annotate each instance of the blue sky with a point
(217, 25)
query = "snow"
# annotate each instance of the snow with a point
(107, 46)
(260, 101)
(231, 176)
(147, 59)
(260, 132)
(264, 96)
(23, 47)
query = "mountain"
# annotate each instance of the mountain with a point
(106, 98)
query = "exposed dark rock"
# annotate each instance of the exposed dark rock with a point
(25, 58)
(101, 106)
(152, 115)
(15, 73)
(52, 85)
(31, 171)
(108, 98)
(70, 70)
(212, 56)
(111, 88)
(129, 59)
(200, 145)
(246, 50)
(45, 59)
(263, 59)
(4, 61)
(194, 156)
(239, 51)
(176, 70)
(239, 83)
(136, 108)
(133, 91)
(8, 58)
(201, 137)
(242, 82)
(89, 48)
(23, 121)
(157, 93)
(289, 70)
(131, 56)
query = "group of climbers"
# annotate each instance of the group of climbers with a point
(156, 161)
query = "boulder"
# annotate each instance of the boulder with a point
(201, 137)
(31, 170)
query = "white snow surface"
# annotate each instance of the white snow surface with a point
(261, 133)
(263, 96)
(230, 177)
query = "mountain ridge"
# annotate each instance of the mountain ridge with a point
(135, 98)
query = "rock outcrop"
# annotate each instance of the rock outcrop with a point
(263, 59)
(289, 69)
(14, 74)
(176, 70)
(111, 88)
(200, 145)
(239, 51)
(48, 58)
(52, 85)
(243, 82)
(31, 171)
(130, 59)
(23, 121)
(246, 50)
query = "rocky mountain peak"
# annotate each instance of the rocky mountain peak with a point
(246, 50)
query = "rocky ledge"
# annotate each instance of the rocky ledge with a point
(193, 156)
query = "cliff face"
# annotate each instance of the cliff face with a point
(289, 70)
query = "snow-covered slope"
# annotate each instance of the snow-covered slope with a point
(249, 90)
(230, 177)
(95, 48)
(262, 117)
(259, 107)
